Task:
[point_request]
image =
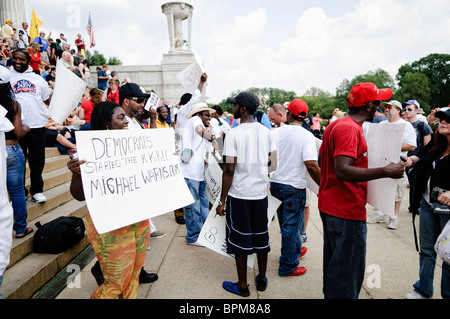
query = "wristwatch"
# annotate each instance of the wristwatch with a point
(220, 204)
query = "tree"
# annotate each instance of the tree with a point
(114, 61)
(437, 68)
(415, 86)
(319, 101)
(95, 59)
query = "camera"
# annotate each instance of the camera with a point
(436, 206)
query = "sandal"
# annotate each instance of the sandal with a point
(27, 232)
(233, 288)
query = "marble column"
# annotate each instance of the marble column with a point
(176, 13)
(13, 10)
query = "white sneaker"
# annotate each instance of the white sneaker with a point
(39, 198)
(393, 223)
(377, 217)
(414, 295)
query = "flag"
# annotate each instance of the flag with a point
(35, 25)
(90, 30)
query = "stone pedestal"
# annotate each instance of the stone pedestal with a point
(13, 10)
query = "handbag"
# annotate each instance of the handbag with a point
(442, 246)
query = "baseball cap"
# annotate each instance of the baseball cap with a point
(444, 113)
(131, 90)
(8, 21)
(298, 108)
(248, 99)
(364, 93)
(412, 102)
(394, 103)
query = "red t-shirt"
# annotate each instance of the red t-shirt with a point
(114, 97)
(81, 47)
(88, 107)
(35, 61)
(343, 137)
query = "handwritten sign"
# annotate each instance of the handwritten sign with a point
(213, 234)
(381, 192)
(189, 78)
(69, 89)
(130, 176)
(213, 178)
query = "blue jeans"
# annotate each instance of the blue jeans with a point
(291, 217)
(196, 213)
(1, 280)
(15, 164)
(431, 226)
(344, 256)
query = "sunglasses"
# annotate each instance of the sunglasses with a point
(447, 120)
(409, 109)
(138, 100)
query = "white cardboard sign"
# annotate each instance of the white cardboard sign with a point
(69, 89)
(130, 176)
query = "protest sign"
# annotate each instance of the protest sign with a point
(68, 91)
(384, 143)
(213, 234)
(189, 78)
(153, 102)
(130, 176)
(213, 178)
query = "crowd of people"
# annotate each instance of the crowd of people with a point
(262, 154)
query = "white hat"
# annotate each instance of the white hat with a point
(4, 75)
(199, 107)
(394, 103)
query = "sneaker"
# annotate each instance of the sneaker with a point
(393, 223)
(261, 285)
(376, 218)
(303, 252)
(39, 198)
(297, 272)
(304, 238)
(414, 295)
(157, 234)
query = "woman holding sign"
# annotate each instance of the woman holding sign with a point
(121, 252)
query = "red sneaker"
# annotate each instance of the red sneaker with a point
(303, 252)
(297, 272)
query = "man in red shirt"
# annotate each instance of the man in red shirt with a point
(343, 192)
(79, 42)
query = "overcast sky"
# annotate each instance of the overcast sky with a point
(288, 44)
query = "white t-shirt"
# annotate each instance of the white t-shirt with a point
(219, 126)
(31, 90)
(251, 144)
(24, 34)
(295, 145)
(133, 124)
(185, 109)
(409, 133)
(195, 169)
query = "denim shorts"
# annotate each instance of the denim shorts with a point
(247, 226)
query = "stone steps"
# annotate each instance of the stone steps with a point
(28, 272)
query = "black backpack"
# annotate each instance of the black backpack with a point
(58, 235)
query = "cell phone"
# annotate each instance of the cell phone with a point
(404, 160)
(74, 156)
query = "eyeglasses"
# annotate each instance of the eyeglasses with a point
(138, 100)
(447, 120)
(409, 109)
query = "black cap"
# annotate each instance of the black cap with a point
(131, 90)
(443, 113)
(247, 99)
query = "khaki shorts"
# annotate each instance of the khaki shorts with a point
(401, 188)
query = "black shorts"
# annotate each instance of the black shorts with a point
(247, 226)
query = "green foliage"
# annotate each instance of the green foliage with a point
(415, 86)
(98, 59)
(436, 67)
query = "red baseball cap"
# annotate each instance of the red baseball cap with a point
(364, 93)
(298, 108)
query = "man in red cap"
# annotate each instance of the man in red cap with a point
(343, 191)
(288, 184)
